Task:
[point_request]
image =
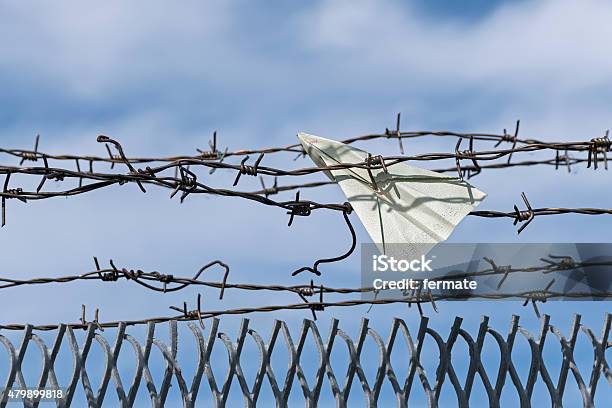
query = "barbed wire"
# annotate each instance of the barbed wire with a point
(552, 263)
(215, 154)
(188, 184)
(214, 157)
(469, 171)
(201, 315)
(593, 146)
(172, 283)
(185, 180)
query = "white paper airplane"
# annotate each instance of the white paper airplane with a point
(403, 205)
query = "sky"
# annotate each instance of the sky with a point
(161, 78)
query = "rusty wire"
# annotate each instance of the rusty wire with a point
(173, 283)
(187, 314)
(553, 263)
(188, 182)
(596, 143)
(157, 172)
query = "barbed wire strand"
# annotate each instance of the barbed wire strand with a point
(190, 316)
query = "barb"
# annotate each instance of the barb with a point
(513, 139)
(524, 216)
(95, 321)
(188, 183)
(566, 159)
(192, 314)
(538, 296)
(268, 191)
(33, 155)
(298, 208)
(504, 270)
(249, 170)
(599, 145)
(309, 291)
(396, 134)
(213, 154)
(468, 154)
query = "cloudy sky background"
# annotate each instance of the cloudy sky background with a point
(161, 78)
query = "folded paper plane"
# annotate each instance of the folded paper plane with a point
(398, 204)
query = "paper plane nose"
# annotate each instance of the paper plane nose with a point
(306, 139)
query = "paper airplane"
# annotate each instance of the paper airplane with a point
(402, 205)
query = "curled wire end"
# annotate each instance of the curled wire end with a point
(306, 268)
(122, 157)
(348, 209)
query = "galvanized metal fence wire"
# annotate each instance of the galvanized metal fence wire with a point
(508, 376)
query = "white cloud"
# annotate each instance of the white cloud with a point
(557, 46)
(552, 44)
(91, 47)
(331, 59)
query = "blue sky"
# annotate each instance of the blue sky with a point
(161, 78)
